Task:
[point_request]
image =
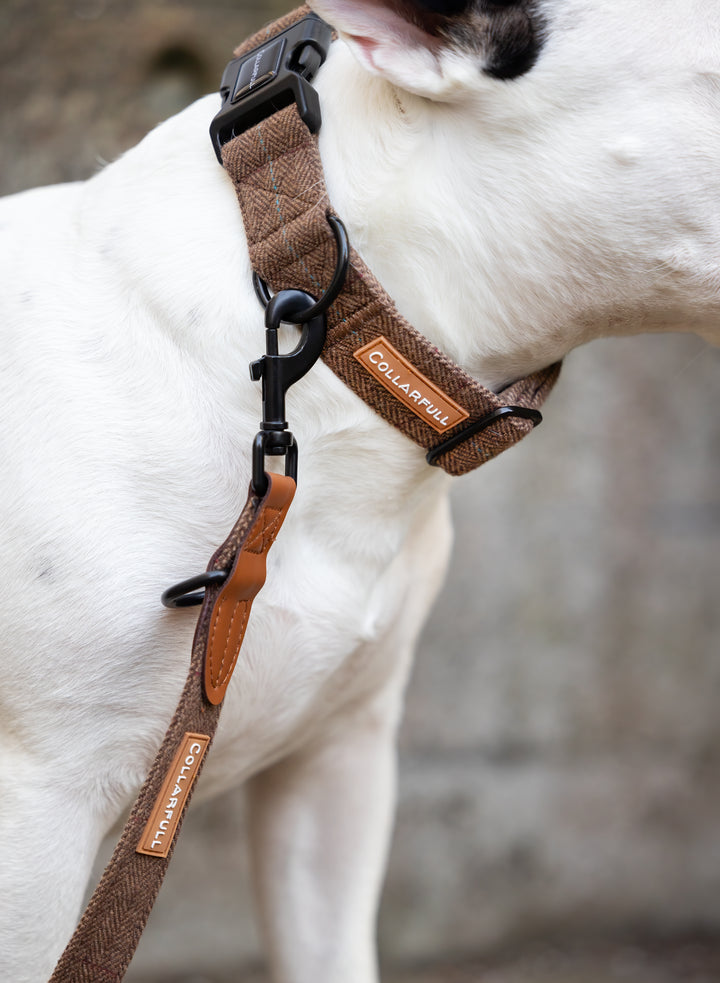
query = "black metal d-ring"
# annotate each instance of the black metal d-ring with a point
(192, 591)
(322, 305)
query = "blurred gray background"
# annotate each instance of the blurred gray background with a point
(559, 814)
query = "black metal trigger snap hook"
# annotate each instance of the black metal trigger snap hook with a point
(277, 373)
(323, 304)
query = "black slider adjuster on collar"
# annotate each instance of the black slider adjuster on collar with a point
(524, 412)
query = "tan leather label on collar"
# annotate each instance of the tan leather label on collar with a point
(410, 386)
(160, 830)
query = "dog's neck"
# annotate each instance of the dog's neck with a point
(526, 264)
(466, 212)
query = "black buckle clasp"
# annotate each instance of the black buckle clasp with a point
(271, 77)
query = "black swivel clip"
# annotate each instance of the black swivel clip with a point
(279, 372)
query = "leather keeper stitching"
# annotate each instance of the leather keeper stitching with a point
(231, 610)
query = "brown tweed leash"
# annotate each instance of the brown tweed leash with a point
(106, 938)
(276, 169)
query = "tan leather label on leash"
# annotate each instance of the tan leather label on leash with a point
(160, 830)
(410, 386)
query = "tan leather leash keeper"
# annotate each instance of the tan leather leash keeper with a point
(106, 938)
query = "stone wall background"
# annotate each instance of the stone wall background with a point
(559, 758)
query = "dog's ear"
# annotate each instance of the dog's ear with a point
(403, 41)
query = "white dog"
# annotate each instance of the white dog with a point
(521, 177)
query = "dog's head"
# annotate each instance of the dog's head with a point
(585, 135)
(424, 46)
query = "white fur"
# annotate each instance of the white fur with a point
(510, 221)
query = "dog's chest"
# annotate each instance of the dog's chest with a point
(314, 651)
(127, 449)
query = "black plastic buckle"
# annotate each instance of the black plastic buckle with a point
(271, 77)
(524, 412)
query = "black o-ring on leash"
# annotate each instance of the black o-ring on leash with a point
(190, 592)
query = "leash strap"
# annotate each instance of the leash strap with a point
(278, 177)
(108, 934)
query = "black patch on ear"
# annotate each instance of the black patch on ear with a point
(446, 8)
(508, 34)
(515, 41)
(432, 16)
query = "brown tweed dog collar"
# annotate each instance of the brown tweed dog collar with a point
(277, 173)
